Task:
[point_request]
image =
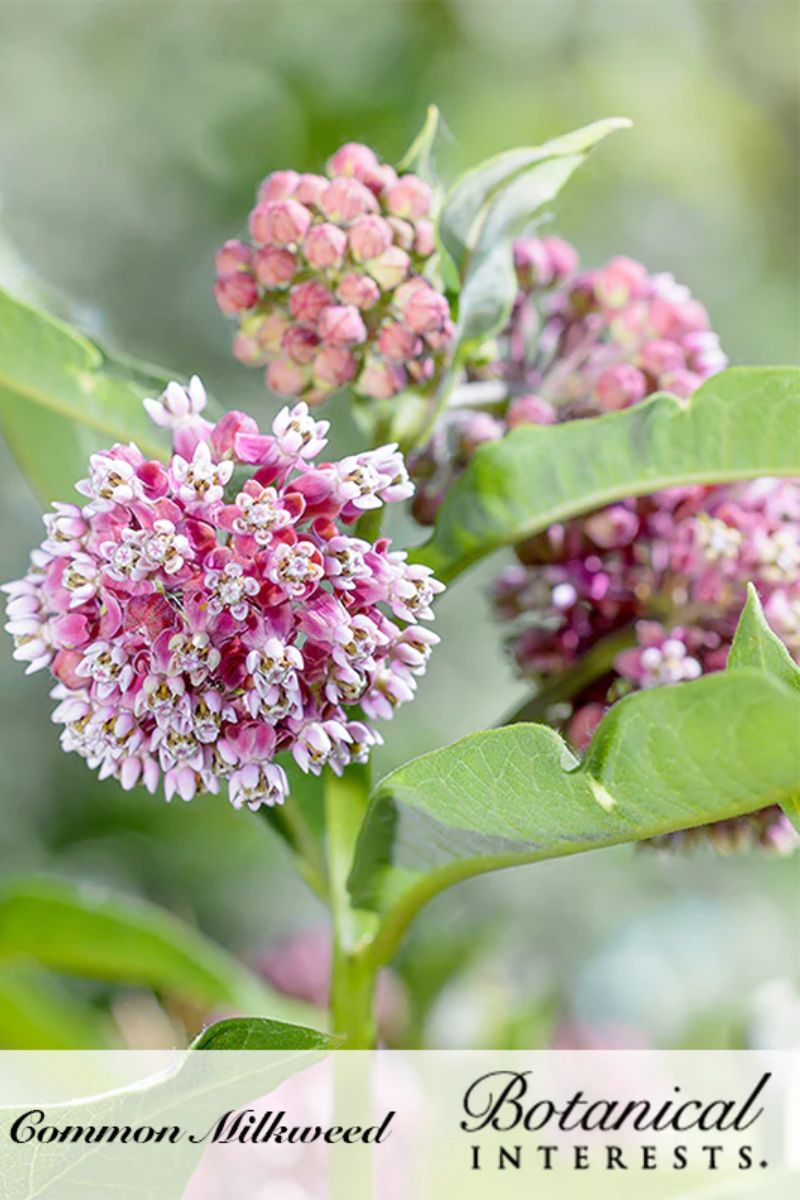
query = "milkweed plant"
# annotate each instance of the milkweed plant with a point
(220, 610)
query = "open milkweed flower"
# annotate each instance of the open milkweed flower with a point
(197, 627)
(335, 285)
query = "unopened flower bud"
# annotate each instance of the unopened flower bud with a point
(409, 197)
(358, 290)
(345, 199)
(342, 325)
(352, 159)
(310, 188)
(530, 410)
(274, 267)
(334, 366)
(680, 383)
(232, 256)
(280, 185)
(308, 300)
(369, 237)
(286, 377)
(300, 344)
(426, 310)
(402, 233)
(279, 222)
(424, 238)
(661, 355)
(235, 293)
(398, 343)
(390, 268)
(247, 350)
(620, 386)
(381, 380)
(324, 246)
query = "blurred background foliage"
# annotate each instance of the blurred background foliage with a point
(132, 136)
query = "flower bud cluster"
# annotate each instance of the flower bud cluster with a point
(331, 287)
(203, 615)
(617, 582)
(577, 345)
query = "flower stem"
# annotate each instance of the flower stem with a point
(353, 975)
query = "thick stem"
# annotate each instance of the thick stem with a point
(353, 975)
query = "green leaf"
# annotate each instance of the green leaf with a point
(38, 1013)
(755, 645)
(419, 157)
(740, 424)
(467, 203)
(87, 931)
(661, 760)
(257, 1033)
(62, 398)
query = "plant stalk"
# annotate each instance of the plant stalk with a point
(353, 973)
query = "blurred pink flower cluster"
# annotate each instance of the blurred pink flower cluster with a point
(652, 588)
(203, 615)
(331, 289)
(577, 345)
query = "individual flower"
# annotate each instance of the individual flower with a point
(336, 285)
(196, 627)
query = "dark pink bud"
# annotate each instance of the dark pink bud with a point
(426, 310)
(613, 527)
(154, 479)
(345, 199)
(583, 724)
(334, 366)
(390, 268)
(563, 258)
(620, 386)
(409, 197)
(397, 342)
(369, 237)
(307, 301)
(274, 267)
(228, 429)
(530, 410)
(300, 343)
(358, 290)
(236, 292)
(279, 222)
(379, 179)
(280, 185)
(352, 159)
(232, 256)
(325, 246)
(286, 377)
(342, 325)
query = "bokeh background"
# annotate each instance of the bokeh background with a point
(132, 136)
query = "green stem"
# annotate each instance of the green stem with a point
(594, 665)
(353, 975)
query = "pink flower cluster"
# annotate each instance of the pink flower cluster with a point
(577, 345)
(651, 587)
(203, 615)
(331, 289)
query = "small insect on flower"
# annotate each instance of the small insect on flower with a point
(194, 635)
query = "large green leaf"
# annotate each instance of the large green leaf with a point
(740, 424)
(87, 931)
(62, 397)
(661, 760)
(258, 1033)
(755, 645)
(471, 197)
